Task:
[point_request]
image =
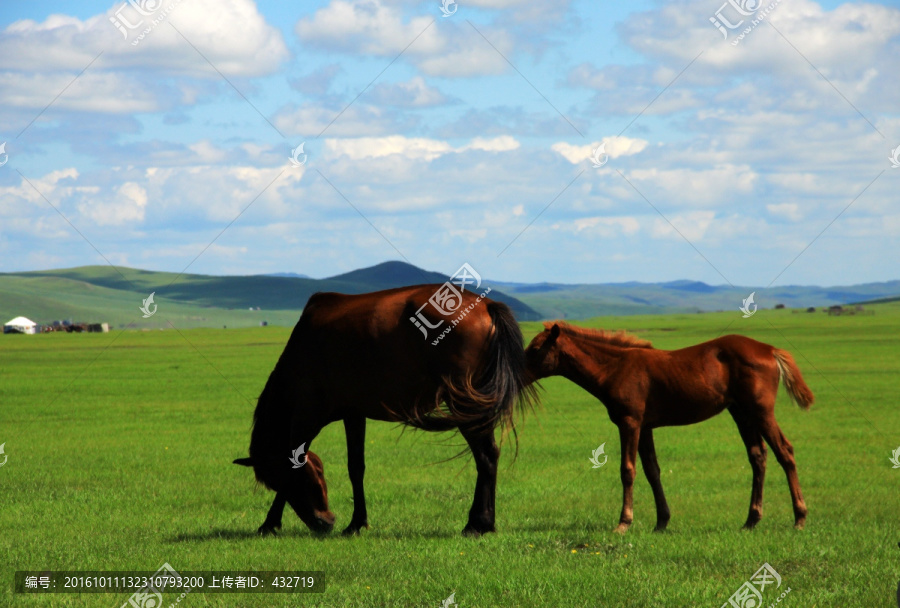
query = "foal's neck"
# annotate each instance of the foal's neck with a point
(589, 363)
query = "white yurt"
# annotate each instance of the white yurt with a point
(20, 325)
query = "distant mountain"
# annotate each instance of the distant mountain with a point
(564, 301)
(49, 295)
(292, 275)
(104, 293)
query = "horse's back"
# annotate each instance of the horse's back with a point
(363, 349)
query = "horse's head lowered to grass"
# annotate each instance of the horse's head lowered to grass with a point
(303, 488)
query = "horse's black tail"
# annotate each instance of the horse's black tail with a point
(505, 377)
(490, 396)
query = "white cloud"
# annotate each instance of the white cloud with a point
(691, 226)
(615, 147)
(607, 226)
(127, 207)
(717, 186)
(414, 93)
(371, 27)
(412, 148)
(230, 33)
(502, 143)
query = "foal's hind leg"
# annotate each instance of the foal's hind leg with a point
(784, 452)
(486, 453)
(273, 517)
(356, 466)
(756, 453)
(647, 451)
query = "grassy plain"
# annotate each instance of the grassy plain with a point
(119, 453)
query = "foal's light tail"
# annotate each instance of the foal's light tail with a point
(792, 379)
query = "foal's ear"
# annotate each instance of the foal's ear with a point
(554, 331)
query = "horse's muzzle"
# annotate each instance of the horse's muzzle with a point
(324, 522)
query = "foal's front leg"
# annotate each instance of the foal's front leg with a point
(629, 435)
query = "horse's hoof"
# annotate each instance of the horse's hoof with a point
(622, 528)
(660, 528)
(799, 524)
(473, 532)
(265, 530)
(353, 529)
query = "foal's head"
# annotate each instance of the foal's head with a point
(542, 354)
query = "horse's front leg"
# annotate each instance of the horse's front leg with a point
(629, 435)
(356, 467)
(273, 517)
(486, 453)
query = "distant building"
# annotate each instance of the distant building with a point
(779, 306)
(20, 325)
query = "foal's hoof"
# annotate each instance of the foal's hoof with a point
(799, 524)
(267, 530)
(622, 528)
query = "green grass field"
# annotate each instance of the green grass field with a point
(120, 445)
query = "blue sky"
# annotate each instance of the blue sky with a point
(761, 161)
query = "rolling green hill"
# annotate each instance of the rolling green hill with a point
(114, 295)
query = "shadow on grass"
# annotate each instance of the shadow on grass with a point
(215, 534)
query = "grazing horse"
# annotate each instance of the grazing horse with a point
(353, 357)
(644, 388)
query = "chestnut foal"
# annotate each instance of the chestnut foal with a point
(644, 388)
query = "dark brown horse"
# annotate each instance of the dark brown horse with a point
(644, 388)
(353, 357)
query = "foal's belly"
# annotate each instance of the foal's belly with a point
(683, 412)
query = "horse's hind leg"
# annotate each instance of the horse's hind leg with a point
(647, 451)
(355, 429)
(756, 453)
(486, 453)
(784, 452)
(273, 517)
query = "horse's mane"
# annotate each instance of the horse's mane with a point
(615, 338)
